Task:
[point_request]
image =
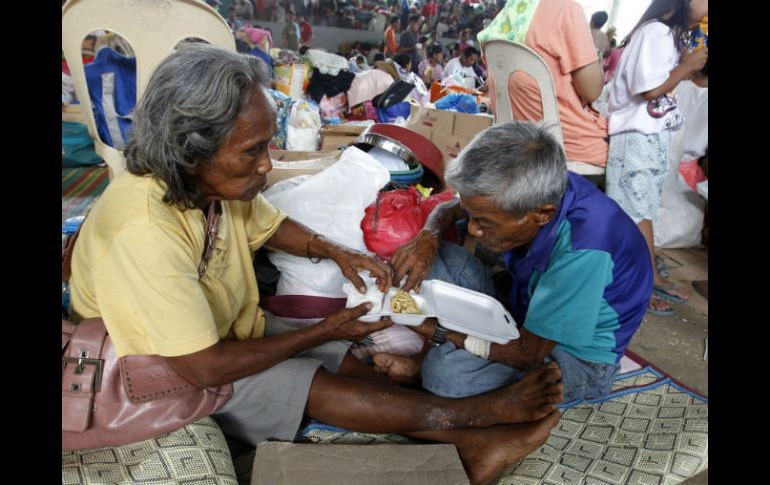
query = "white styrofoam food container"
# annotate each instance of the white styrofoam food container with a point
(470, 312)
(457, 308)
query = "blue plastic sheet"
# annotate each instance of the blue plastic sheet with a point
(462, 103)
(388, 115)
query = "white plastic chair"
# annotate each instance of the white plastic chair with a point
(153, 28)
(503, 59)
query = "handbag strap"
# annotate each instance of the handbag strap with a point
(81, 368)
(211, 230)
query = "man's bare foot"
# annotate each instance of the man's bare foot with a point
(400, 369)
(487, 452)
(531, 398)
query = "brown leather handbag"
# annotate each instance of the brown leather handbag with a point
(109, 401)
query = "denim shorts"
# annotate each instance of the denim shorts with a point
(454, 264)
(451, 372)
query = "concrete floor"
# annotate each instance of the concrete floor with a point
(676, 344)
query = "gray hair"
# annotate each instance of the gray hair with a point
(187, 113)
(518, 164)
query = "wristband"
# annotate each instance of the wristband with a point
(477, 346)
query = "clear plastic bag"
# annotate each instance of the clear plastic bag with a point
(678, 222)
(303, 126)
(332, 203)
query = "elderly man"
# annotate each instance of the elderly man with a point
(171, 277)
(580, 269)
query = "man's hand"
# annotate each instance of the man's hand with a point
(415, 259)
(344, 325)
(351, 262)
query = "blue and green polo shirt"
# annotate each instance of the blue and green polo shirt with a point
(586, 280)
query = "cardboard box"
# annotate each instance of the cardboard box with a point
(278, 463)
(288, 164)
(295, 155)
(450, 131)
(332, 136)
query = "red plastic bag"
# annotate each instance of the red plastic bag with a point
(691, 173)
(396, 217)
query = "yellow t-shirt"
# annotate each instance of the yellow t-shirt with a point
(136, 260)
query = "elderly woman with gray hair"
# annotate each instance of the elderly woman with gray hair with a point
(165, 258)
(579, 266)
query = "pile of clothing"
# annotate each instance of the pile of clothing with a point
(339, 89)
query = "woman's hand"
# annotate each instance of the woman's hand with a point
(344, 325)
(351, 262)
(694, 61)
(426, 328)
(415, 259)
(298, 240)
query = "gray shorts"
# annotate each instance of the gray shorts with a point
(271, 404)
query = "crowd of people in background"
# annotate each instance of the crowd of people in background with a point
(445, 18)
(422, 31)
(440, 38)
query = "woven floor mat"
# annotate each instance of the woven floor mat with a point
(196, 454)
(650, 430)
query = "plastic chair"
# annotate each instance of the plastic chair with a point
(503, 59)
(153, 29)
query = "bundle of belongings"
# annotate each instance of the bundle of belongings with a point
(318, 88)
(346, 198)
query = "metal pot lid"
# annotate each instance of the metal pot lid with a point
(408, 145)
